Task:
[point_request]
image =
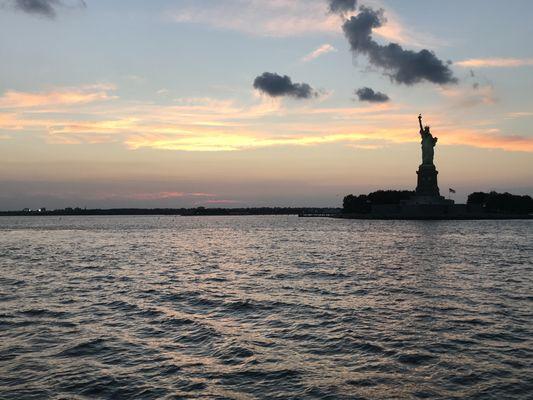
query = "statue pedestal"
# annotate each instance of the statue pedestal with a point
(427, 200)
(427, 181)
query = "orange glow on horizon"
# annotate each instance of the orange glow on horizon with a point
(207, 125)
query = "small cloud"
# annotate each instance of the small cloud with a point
(342, 7)
(495, 63)
(324, 49)
(276, 85)
(368, 94)
(44, 8)
(40, 7)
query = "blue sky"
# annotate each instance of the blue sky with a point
(136, 103)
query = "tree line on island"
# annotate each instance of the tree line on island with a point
(362, 204)
(491, 202)
(501, 202)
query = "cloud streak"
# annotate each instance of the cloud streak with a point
(66, 96)
(165, 195)
(280, 18)
(495, 63)
(320, 51)
(488, 139)
(214, 125)
(466, 97)
(283, 18)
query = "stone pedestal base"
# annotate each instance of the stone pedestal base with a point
(427, 181)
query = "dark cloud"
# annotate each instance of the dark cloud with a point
(45, 8)
(368, 94)
(403, 66)
(276, 85)
(39, 7)
(342, 6)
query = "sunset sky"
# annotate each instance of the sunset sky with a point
(164, 103)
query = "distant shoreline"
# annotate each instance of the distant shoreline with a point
(305, 212)
(199, 211)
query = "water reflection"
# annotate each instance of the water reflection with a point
(264, 307)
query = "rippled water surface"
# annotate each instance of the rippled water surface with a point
(265, 308)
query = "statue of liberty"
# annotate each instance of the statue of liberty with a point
(428, 143)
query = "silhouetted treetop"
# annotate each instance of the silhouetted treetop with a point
(502, 202)
(363, 203)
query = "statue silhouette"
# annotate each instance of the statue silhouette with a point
(428, 143)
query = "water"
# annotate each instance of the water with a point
(265, 308)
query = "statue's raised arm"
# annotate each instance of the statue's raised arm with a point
(420, 123)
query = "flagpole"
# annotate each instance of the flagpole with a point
(450, 191)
